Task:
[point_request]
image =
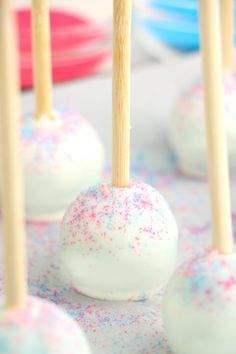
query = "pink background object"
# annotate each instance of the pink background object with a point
(79, 46)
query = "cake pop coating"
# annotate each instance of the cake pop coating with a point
(187, 128)
(40, 328)
(199, 306)
(61, 157)
(119, 243)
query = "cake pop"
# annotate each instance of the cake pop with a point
(187, 129)
(199, 306)
(27, 325)
(61, 156)
(119, 240)
(62, 153)
(40, 327)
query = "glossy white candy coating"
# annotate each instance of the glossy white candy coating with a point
(40, 328)
(187, 129)
(199, 306)
(119, 243)
(61, 157)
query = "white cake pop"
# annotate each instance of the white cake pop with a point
(199, 306)
(119, 240)
(40, 327)
(62, 153)
(61, 157)
(187, 128)
(119, 243)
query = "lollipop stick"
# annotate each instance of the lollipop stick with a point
(121, 92)
(216, 126)
(42, 58)
(12, 198)
(227, 24)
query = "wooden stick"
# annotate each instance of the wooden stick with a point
(42, 58)
(11, 170)
(227, 24)
(216, 126)
(121, 92)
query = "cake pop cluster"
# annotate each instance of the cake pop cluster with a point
(118, 240)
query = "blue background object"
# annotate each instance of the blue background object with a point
(172, 22)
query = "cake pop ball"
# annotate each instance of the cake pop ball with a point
(40, 328)
(119, 243)
(199, 306)
(187, 129)
(61, 156)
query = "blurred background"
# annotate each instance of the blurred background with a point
(81, 35)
